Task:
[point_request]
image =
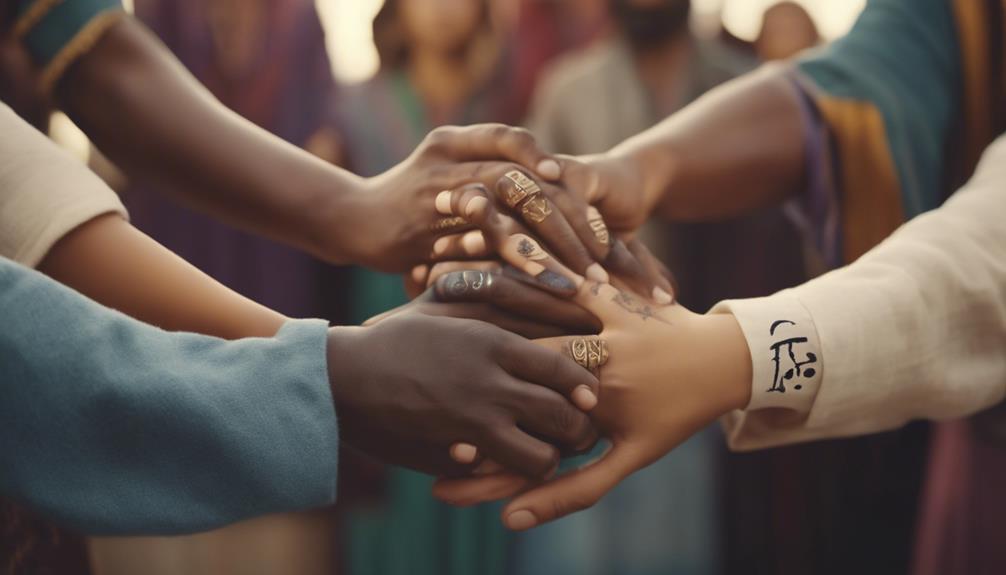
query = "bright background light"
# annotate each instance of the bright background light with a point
(743, 17)
(347, 24)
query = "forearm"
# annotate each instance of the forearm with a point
(114, 426)
(113, 263)
(180, 137)
(737, 148)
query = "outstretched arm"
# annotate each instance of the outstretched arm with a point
(915, 329)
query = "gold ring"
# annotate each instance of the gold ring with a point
(597, 225)
(444, 224)
(590, 352)
(536, 209)
(523, 187)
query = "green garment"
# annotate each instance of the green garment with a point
(112, 426)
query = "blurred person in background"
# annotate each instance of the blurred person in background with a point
(787, 29)
(441, 63)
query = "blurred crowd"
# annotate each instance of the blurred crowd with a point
(582, 75)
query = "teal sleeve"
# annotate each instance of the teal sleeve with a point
(53, 28)
(112, 426)
(903, 57)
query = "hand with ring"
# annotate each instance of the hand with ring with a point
(665, 373)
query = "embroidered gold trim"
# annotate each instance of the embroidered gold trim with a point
(32, 16)
(79, 45)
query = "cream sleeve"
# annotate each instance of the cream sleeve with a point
(914, 329)
(44, 192)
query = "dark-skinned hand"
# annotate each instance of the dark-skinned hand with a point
(410, 386)
(500, 295)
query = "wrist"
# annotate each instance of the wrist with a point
(339, 207)
(730, 369)
(652, 170)
(342, 364)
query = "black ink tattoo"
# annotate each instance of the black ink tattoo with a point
(634, 306)
(525, 248)
(798, 369)
(596, 288)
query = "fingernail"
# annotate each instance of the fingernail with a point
(556, 281)
(464, 452)
(520, 520)
(443, 202)
(596, 272)
(584, 398)
(476, 203)
(474, 243)
(549, 169)
(419, 273)
(662, 297)
(440, 246)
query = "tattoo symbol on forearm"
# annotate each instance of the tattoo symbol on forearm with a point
(634, 306)
(798, 369)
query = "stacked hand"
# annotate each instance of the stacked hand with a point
(669, 373)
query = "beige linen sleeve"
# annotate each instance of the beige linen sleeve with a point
(914, 329)
(44, 192)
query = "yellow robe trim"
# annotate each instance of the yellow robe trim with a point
(978, 95)
(870, 190)
(33, 16)
(79, 45)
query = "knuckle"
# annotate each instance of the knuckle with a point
(566, 421)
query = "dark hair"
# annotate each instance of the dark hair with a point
(389, 36)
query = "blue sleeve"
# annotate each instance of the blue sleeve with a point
(112, 426)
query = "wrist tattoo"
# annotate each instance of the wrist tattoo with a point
(632, 305)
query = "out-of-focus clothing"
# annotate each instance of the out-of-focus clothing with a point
(56, 34)
(909, 100)
(406, 531)
(44, 192)
(286, 87)
(586, 103)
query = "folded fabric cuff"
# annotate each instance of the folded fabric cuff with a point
(786, 361)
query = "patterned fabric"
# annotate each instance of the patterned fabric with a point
(57, 32)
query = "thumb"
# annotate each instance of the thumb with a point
(572, 492)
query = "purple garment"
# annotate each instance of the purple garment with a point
(287, 88)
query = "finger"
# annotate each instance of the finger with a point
(464, 453)
(513, 296)
(524, 327)
(549, 415)
(585, 220)
(470, 245)
(494, 142)
(589, 352)
(572, 492)
(415, 282)
(538, 365)
(466, 491)
(506, 236)
(518, 451)
(529, 202)
(658, 274)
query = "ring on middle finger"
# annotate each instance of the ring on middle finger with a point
(523, 187)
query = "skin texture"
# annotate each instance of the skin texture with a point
(216, 162)
(735, 149)
(409, 386)
(648, 402)
(115, 264)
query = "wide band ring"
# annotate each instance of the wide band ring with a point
(447, 224)
(523, 188)
(590, 352)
